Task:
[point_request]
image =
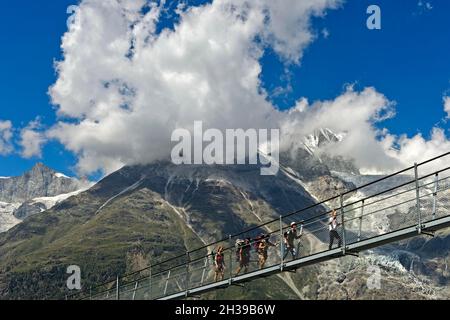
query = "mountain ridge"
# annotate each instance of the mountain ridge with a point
(35, 191)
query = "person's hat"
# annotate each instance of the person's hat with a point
(293, 224)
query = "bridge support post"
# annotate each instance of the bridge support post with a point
(167, 282)
(135, 289)
(90, 293)
(360, 221)
(419, 215)
(150, 282)
(281, 245)
(231, 258)
(204, 271)
(436, 184)
(118, 288)
(187, 272)
(344, 241)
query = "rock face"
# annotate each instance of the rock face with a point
(325, 187)
(321, 138)
(7, 218)
(306, 165)
(40, 181)
(34, 192)
(28, 209)
(340, 164)
(310, 158)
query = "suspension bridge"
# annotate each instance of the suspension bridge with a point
(409, 203)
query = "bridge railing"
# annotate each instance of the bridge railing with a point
(414, 195)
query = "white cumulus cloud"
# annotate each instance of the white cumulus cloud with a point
(32, 138)
(418, 149)
(126, 88)
(6, 134)
(447, 106)
(354, 113)
(122, 88)
(360, 116)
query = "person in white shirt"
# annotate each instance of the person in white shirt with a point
(332, 227)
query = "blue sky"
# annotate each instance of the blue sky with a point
(408, 61)
(31, 33)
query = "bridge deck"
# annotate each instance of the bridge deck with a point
(353, 248)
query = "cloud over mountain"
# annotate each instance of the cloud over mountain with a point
(128, 88)
(32, 138)
(123, 85)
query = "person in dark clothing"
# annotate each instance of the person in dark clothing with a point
(244, 256)
(332, 227)
(289, 238)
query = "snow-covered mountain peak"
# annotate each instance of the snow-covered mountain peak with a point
(321, 137)
(61, 175)
(35, 191)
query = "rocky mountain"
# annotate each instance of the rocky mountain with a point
(141, 215)
(33, 192)
(7, 218)
(40, 181)
(320, 138)
(145, 213)
(312, 157)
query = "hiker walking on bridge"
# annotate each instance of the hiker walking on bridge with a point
(243, 255)
(219, 264)
(332, 227)
(263, 249)
(289, 239)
